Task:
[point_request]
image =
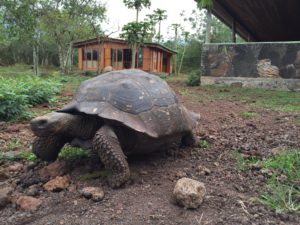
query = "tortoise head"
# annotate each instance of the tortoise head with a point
(52, 123)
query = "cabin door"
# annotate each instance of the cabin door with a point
(127, 58)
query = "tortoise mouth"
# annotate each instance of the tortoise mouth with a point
(42, 128)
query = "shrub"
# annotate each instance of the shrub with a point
(19, 92)
(194, 78)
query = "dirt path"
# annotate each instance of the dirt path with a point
(147, 199)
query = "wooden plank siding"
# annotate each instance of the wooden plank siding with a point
(112, 54)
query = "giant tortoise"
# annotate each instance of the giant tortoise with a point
(120, 113)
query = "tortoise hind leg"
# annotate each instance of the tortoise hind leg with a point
(47, 148)
(107, 145)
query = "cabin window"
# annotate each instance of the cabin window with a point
(140, 57)
(90, 57)
(95, 54)
(154, 60)
(89, 54)
(120, 59)
(113, 57)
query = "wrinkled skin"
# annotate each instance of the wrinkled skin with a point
(109, 139)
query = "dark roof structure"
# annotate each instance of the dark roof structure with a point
(261, 20)
(82, 43)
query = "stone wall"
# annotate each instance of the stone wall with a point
(272, 60)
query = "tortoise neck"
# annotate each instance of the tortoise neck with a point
(83, 126)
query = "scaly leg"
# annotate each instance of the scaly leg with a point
(47, 148)
(107, 145)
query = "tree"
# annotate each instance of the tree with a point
(137, 5)
(65, 21)
(159, 15)
(135, 33)
(186, 37)
(152, 21)
(176, 27)
(21, 20)
(207, 4)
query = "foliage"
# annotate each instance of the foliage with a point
(136, 33)
(19, 92)
(194, 78)
(69, 152)
(137, 5)
(47, 29)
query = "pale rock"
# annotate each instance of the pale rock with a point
(94, 193)
(16, 167)
(189, 193)
(3, 175)
(57, 184)
(107, 69)
(28, 203)
(5, 195)
(57, 168)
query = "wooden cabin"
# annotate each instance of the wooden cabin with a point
(152, 57)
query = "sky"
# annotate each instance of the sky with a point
(118, 14)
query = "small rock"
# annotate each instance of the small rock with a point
(55, 169)
(33, 190)
(28, 203)
(95, 193)
(3, 175)
(143, 172)
(107, 69)
(16, 167)
(181, 174)
(5, 195)
(189, 193)
(203, 170)
(57, 184)
(278, 150)
(13, 128)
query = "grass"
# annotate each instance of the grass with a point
(282, 190)
(203, 144)
(12, 156)
(281, 101)
(248, 115)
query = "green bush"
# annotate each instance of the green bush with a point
(19, 92)
(194, 78)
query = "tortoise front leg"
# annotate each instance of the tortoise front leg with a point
(47, 148)
(189, 139)
(107, 145)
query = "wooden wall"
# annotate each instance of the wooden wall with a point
(152, 58)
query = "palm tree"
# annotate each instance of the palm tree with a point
(137, 5)
(206, 4)
(159, 16)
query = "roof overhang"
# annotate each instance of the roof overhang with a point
(93, 41)
(261, 20)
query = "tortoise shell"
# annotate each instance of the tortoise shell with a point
(138, 100)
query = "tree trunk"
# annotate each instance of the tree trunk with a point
(36, 60)
(208, 26)
(159, 32)
(137, 16)
(183, 53)
(61, 59)
(133, 56)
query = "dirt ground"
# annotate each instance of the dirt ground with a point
(147, 198)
